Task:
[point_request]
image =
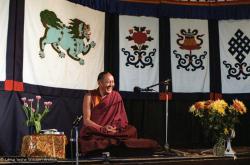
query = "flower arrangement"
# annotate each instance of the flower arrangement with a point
(35, 116)
(218, 117)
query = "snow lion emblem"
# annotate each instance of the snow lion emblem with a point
(70, 38)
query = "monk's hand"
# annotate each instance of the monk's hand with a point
(110, 128)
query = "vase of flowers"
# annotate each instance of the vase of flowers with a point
(218, 117)
(34, 114)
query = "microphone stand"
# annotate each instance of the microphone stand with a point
(166, 83)
(76, 140)
(75, 127)
(166, 146)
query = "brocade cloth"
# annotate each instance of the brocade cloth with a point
(44, 146)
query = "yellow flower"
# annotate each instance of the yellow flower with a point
(219, 106)
(226, 132)
(192, 109)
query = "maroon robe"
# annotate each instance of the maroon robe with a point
(110, 111)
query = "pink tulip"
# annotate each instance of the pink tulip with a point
(23, 100)
(46, 104)
(31, 100)
(38, 97)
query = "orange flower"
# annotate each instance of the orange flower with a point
(207, 104)
(199, 105)
(239, 106)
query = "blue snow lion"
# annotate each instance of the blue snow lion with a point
(70, 38)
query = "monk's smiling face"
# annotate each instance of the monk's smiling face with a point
(106, 84)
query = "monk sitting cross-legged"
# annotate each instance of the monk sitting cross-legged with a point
(105, 121)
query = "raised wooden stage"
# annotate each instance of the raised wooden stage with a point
(180, 157)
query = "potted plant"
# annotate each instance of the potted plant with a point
(35, 115)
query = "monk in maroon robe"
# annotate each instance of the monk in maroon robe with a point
(105, 121)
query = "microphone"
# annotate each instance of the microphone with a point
(138, 89)
(77, 121)
(166, 81)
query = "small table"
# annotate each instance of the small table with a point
(44, 145)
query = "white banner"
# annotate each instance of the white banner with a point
(234, 55)
(63, 44)
(139, 52)
(189, 55)
(4, 18)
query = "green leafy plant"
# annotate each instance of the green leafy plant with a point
(35, 115)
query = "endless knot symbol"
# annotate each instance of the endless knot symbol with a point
(239, 45)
